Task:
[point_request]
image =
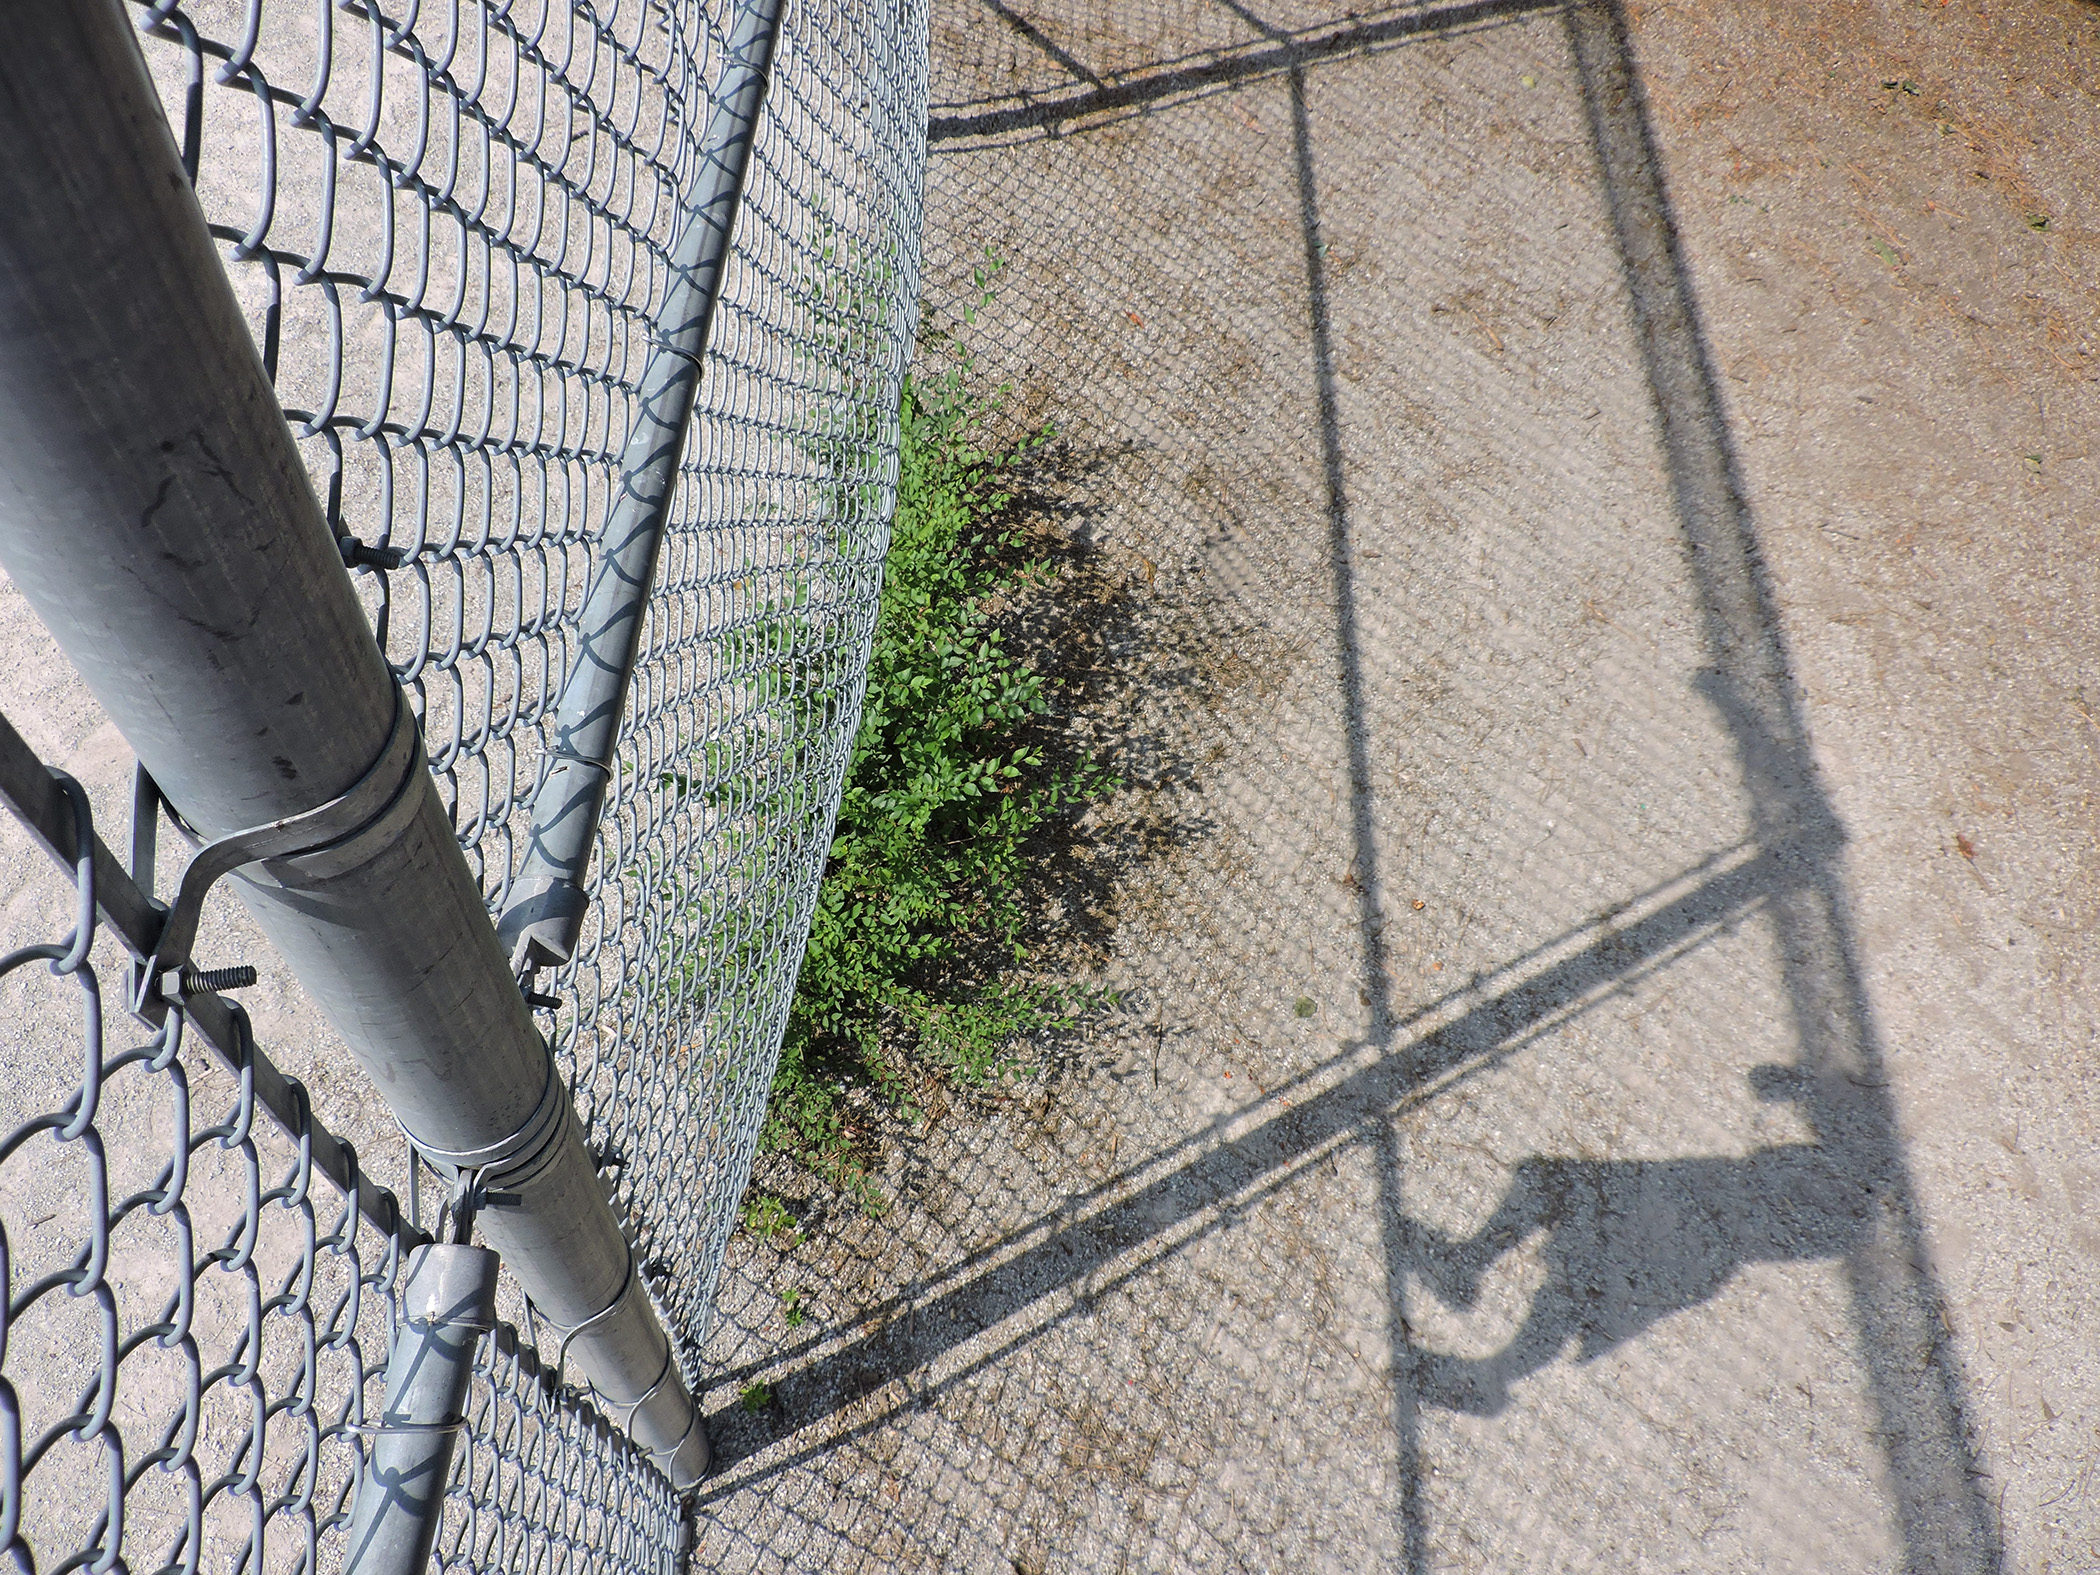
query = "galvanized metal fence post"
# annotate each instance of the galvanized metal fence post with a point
(448, 1303)
(155, 512)
(546, 908)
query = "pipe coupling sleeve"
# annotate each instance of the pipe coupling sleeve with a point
(450, 1287)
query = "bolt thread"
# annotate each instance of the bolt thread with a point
(209, 981)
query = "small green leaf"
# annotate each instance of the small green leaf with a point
(923, 896)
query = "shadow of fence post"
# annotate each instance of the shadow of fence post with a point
(1913, 1375)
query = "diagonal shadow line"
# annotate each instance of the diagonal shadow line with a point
(1048, 114)
(1068, 61)
(1913, 1373)
(1602, 934)
(842, 1377)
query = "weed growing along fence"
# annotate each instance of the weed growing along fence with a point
(916, 955)
(447, 232)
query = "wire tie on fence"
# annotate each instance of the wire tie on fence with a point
(469, 1197)
(627, 1285)
(340, 821)
(697, 1424)
(670, 1366)
(562, 754)
(406, 1429)
(662, 344)
(526, 1143)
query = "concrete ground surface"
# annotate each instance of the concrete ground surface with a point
(1591, 514)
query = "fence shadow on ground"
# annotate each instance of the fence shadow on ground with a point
(1623, 1243)
(1092, 633)
(1097, 100)
(1913, 1374)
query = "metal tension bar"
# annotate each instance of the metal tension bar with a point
(155, 512)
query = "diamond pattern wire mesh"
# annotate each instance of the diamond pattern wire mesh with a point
(448, 223)
(451, 230)
(197, 1314)
(755, 644)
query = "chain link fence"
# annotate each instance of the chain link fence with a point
(450, 225)
(202, 1284)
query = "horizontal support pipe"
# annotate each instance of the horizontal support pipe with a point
(542, 920)
(155, 512)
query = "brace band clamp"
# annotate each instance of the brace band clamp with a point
(330, 827)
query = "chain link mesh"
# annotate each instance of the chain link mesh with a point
(755, 645)
(450, 228)
(197, 1315)
(449, 225)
